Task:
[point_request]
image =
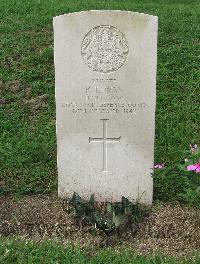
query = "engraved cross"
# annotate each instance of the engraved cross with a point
(104, 140)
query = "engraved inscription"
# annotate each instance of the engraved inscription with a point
(104, 96)
(101, 89)
(104, 140)
(104, 49)
(104, 107)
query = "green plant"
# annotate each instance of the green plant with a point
(117, 217)
(192, 160)
(181, 182)
(88, 211)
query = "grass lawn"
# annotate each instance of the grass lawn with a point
(27, 111)
(21, 252)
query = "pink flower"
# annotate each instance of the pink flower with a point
(159, 166)
(194, 167)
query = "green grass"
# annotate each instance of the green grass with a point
(27, 133)
(21, 252)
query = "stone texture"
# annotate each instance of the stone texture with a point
(105, 68)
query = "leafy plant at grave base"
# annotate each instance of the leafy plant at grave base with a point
(88, 210)
(181, 183)
(117, 217)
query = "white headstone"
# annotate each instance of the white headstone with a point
(105, 68)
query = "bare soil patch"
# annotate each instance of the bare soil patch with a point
(169, 229)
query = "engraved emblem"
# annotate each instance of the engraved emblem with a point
(104, 49)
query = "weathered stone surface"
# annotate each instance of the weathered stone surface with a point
(105, 67)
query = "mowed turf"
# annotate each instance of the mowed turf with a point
(27, 103)
(18, 252)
